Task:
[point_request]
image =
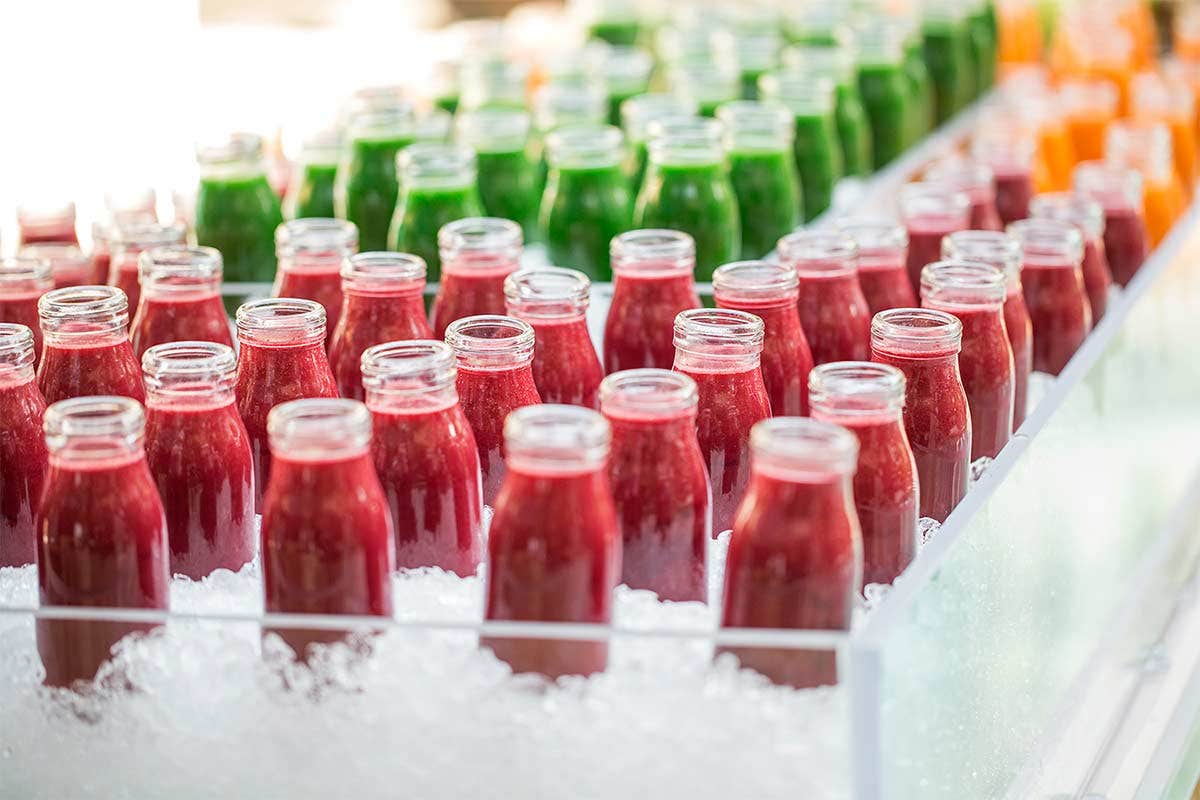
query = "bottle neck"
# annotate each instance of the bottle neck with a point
(319, 431)
(95, 433)
(281, 323)
(84, 315)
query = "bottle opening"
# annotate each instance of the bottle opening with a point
(315, 240)
(1141, 145)
(973, 177)
(819, 253)
(756, 281)
(547, 293)
(1077, 209)
(16, 353)
(951, 285)
(480, 242)
(189, 372)
(706, 80)
(648, 394)
(652, 252)
(68, 264)
(855, 389)
(1049, 242)
(281, 322)
(916, 333)
(379, 272)
(719, 332)
(687, 141)
(436, 164)
(25, 274)
(803, 93)
(180, 269)
(46, 214)
(319, 429)
(584, 146)
(753, 125)
(803, 450)
(95, 428)
(83, 311)
(875, 238)
(556, 438)
(1116, 188)
(491, 342)
(999, 249)
(139, 236)
(638, 112)
(489, 130)
(927, 199)
(581, 100)
(236, 154)
(408, 368)
(384, 100)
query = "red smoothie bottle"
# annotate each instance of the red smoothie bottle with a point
(425, 455)
(102, 536)
(46, 223)
(477, 254)
(975, 179)
(127, 242)
(281, 357)
(974, 292)
(770, 292)
(868, 400)
(1009, 153)
(833, 310)
(924, 345)
(652, 282)
(23, 280)
(199, 455)
(795, 557)
(1052, 276)
(554, 301)
(86, 348)
(931, 212)
(659, 483)
(882, 262)
(383, 300)
(495, 376)
(1119, 192)
(720, 350)
(327, 542)
(22, 446)
(310, 253)
(1004, 253)
(1088, 216)
(181, 298)
(68, 265)
(554, 549)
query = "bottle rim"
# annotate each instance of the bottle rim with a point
(491, 340)
(142, 235)
(1073, 207)
(547, 292)
(756, 123)
(1140, 144)
(74, 302)
(818, 252)
(380, 266)
(997, 248)
(856, 389)
(874, 236)
(834, 62)
(64, 259)
(480, 236)
(627, 66)
(969, 175)
(280, 315)
(932, 198)
(315, 237)
(705, 81)
(575, 102)
(188, 370)
(319, 426)
(801, 92)
(653, 251)
(556, 437)
(44, 211)
(699, 329)
(966, 284)
(409, 367)
(1112, 185)
(693, 140)
(26, 268)
(16, 341)
(916, 332)
(638, 112)
(438, 161)
(585, 145)
(800, 446)
(180, 262)
(1049, 237)
(648, 391)
(94, 417)
(755, 280)
(492, 129)
(237, 146)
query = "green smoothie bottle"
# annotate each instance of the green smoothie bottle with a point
(636, 115)
(854, 129)
(687, 188)
(311, 192)
(437, 186)
(587, 200)
(709, 83)
(762, 168)
(367, 184)
(508, 176)
(947, 43)
(236, 209)
(885, 89)
(626, 73)
(920, 83)
(577, 100)
(811, 99)
(985, 44)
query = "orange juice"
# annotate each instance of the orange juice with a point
(1089, 108)
(1020, 32)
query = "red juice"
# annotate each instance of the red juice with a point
(1014, 191)
(310, 253)
(495, 377)
(554, 549)
(652, 283)
(659, 483)
(87, 351)
(281, 358)
(795, 557)
(199, 454)
(924, 345)
(976, 180)
(770, 292)
(477, 254)
(23, 460)
(327, 541)
(882, 262)
(1088, 216)
(101, 253)
(931, 211)
(719, 350)
(127, 242)
(51, 224)
(382, 301)
(1125, 243)
(1054, 292)
(868, 400)
(974, 293)
(1010, 154)
(181, 298)
(102, 538)
(425, 456)
(833, 310)
(68, 265)
(22, 283)
(1119, 192)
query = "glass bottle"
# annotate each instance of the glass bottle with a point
(687, 188)
(477, 253)
(22, 446)
(554, 301)
(795, 557)
(853, 128)
(127, 242)
(882, 256)
(976, 181)
(199, 454)
(1052, 278)
(983, 28)
(924, 344)
(818, 151)
(1146, 147)
(770, 292)
(930, 211)
(237, 211)
(759, 141)
(637, 114)
(1004, 253)
(68, 264)
(1010, 155)
(754, 49)
(720, 350)
(587, 200)
(86, 348)
(833, 310)
(23, 280)
(553, 547)
(46, 223)
(102, 537)
(708, 81)
(886, 93)
(437, 187)
(180, 298)
(311, 195)
(1088, 216)
(652, 283)
(1119, 192)
(1090, 106)
(311, 253)
(495, 376)
(974, 292)
(281, 357)
(491, 81)
(868, 400)
(1172, 103)
(948, 56)
(664, 515)
(508, 180)
(383, 300)
(327, 541)
(425, 455)
(626, 71)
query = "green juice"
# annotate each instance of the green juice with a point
(920, 92)
(697, 199)
(768, 197)
(984, 45)
(508, 187)
(314, 192)
(818, 160)
(368, 188)
(886, 99)
(238, 216)
(951, 71)
(421, 213)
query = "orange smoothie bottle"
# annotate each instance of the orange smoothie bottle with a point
(1089, 106)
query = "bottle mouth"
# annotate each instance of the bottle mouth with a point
(482, 240)
(718, 332)
(1004, 150)
(383, 270)
(756, 125)
(965, 284)
(698, 140)
(94, 427)
(1051, 242)
(579, 101)
(281, 321)
(800, 448)
(25, 271)
(836, 63)
(638, 112)
(751, 50)
(585, 146)
(493, 81)
(710, 80)
(323, 147)
(556, 438)
(236, 147)
(999, 249)
(139, 236)
(134, 201)
(916, 332)
(412, 367)
(1115, 187)
(970, 176)
(316, 239)
(1140, 144)
(547, 293)
(46, 213)
(626, 68)
(874, 236)
(494, 129)
(436, 163)
(491, 341)
(1078, 209)
(180, 264)
(319, 428)
(85, 310)
(653, 251)
(855, 389)
(801, 92)
(67, 262)
(756, 280)
(647, 393)
(16, 346)
(189, 370)
(381, 124)
(819, 253)
(934, 199)
(383, 100)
